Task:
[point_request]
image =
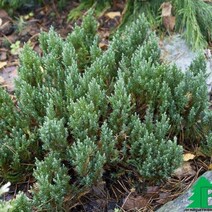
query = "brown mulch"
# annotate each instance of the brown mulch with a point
(129, 192)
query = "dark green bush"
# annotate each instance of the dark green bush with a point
(16, 3)
(26, 5)
(99, 5)
(81, 110)
(13, 5)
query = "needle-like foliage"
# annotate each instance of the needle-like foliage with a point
(80, 111)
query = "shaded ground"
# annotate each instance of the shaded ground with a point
(108, 194)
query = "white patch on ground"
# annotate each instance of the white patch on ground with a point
(174, 49)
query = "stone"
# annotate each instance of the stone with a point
(182, 202)
(175, 50)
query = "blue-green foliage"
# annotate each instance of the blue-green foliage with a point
(52, 183)
(54, 135)
(148, 144)
(87, 160)
(21, 203)
(81, 109)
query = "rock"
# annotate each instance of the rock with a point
(175, 50)
(181, 203)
